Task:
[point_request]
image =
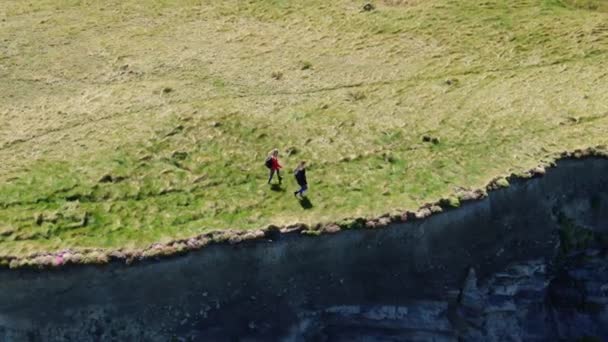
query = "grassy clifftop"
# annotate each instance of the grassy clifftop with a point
(126, 123)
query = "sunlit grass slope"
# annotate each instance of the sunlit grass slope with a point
(126, 123)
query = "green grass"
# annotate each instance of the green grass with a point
(181, 101)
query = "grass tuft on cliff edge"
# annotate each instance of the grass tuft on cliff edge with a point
(126, 123)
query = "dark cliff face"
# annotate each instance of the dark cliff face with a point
(527, 263)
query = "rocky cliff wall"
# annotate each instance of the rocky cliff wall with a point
(526, 263)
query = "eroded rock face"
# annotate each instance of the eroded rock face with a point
(528, 262)
(523, 303)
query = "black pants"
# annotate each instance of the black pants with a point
(278, 175)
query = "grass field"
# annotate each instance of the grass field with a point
(126, 123)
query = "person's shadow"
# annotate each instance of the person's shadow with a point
(306, 203)
(277, 188)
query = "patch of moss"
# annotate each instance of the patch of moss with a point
(357, 223)
(573, 237)
(311, 232)
(451, 201)
(596, 202)
(589, 338)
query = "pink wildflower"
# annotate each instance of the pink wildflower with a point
(58, 260)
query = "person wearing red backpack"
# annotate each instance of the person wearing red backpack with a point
(272, 162)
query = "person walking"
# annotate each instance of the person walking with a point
(300, 174)
(272, 162)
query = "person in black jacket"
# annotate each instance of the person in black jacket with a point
(300, 174)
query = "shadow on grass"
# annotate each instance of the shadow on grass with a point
(277, 188)
(306, 203)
